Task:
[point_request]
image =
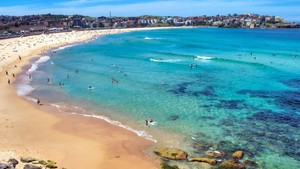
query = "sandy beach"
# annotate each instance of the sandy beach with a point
(75, 142)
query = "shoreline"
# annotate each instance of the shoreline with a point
(62, 137)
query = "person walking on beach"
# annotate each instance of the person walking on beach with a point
(6, 72)
(8, 81)
(14, 75)
(20, 57)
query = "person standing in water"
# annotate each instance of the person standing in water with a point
(150, 120)
(146, 122)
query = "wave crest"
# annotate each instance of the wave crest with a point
(165, 60)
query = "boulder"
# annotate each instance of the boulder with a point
(42, 162)
(51, 166)
(238, 154)
(215, 154)
(6, 166)
(13, 162)
(171, 153)
(31, 166)
(204, 160)
(27, 159)
(231, 164)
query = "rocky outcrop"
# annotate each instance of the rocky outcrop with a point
(231, 164)
(238, 154)
(31, 166)
(6, 166)
(13, 162)
(51, 164)
(204, 160)
(27, 159)
(164, 165)
(171, 153)
(215, 154)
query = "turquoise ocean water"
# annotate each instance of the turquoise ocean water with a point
(235, 88)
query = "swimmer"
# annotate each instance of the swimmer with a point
(146, 123)
(150, 120)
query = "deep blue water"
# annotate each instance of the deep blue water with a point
(236, 88)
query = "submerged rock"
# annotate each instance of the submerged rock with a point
(215, 154)
(231, 164)
(171, 153)
(164, 165)
(173, 117)
(31, 166)
(204, 160)
(250, 163)
(238, 154)
(27, 159)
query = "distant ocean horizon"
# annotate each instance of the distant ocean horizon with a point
(224, 89)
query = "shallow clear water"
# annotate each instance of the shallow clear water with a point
(242, 90)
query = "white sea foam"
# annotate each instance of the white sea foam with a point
(203, 58)
(165, 60)
(117, 123)
(30, 99)
(148, 38)
(34, 66)
(23, 87)
(62, 48)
